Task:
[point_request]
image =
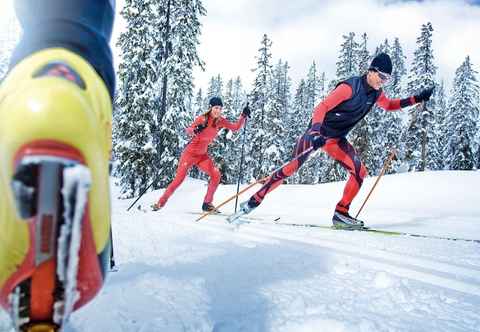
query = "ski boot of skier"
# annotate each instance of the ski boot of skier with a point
(203, 131)
(55, 142)
(331, 122)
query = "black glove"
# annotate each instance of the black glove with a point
(314, 137)
(246, 111)
(424, 95)
(198, 129)
(316, 141)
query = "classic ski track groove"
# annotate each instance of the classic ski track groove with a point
(445, 275)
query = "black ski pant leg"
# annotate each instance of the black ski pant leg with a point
(287, 170)
(81, 26)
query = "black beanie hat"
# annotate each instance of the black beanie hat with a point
(215, 101)
(382, 63)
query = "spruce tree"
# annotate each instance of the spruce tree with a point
(441, 109)
(462, 119)
(219, 148)
(421, 146)
(392, 124)
(134, 117)
(297, 122)
(309, 172)
(347, 64)
(364, 58)
(237, 100)
(260, 98)
(155, 78)
(282, 95)
(274, 147)
(215, 87)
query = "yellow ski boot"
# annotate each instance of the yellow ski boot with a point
(55, 142)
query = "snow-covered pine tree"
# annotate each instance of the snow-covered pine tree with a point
(134, 116)
(273, 140)
(462, 117)
(228, 98)
(219, 148)
(421, 150)
(393, 124)
(365, 137)
(297, 121)
(236, 101)
(159, 53)
(364, 59)
(399, 70)
(347, 64)
(239, 97)
(383, 48)
(309, 173)
(199, 106)
(260, 128)
(282, 96)
(441, 110)
(322, 87)
(385, 128)
(215, 87)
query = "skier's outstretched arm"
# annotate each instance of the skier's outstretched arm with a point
(240, 122)
(233, 126)
(397, 104)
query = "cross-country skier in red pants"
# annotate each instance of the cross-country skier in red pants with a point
(332, 120)
(204, 130)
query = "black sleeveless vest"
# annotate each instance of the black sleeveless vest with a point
(340, 120)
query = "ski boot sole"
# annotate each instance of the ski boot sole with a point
(51, 186)
(340, 225)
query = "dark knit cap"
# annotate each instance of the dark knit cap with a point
(215, 101)
(383, 63)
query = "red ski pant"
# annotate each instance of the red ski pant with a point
(204, 163)
(337, 148)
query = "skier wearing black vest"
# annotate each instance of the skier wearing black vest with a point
(331, 121)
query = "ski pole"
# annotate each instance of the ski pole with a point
(112, 254)
(240, 171)
(307, 151)
(230, 198)
(143, 192)
(385, 166)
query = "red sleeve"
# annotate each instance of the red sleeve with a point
(224, 123)
(199, 120)
(338, 95)
(394, 104)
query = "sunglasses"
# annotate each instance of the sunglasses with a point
(383, 76)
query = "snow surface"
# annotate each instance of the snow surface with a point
(178, 275)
